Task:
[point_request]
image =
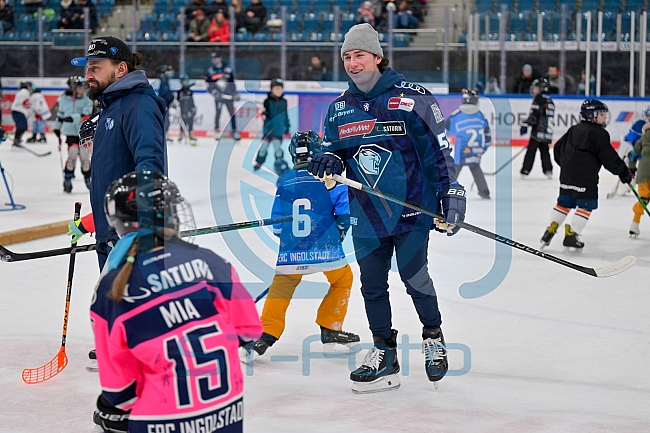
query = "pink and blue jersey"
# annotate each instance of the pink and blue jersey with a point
(168, 350)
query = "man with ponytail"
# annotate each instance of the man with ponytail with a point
(168, 318)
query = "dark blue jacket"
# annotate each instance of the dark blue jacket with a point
(129, 136)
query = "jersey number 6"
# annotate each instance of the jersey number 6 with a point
(301, 224)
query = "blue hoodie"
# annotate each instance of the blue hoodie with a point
(129, 136)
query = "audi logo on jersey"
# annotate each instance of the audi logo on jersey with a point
(405, 104)
(372, 160)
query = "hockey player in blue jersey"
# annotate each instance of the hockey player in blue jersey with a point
(636, 131)
(310, 243)
(389, 134)
(472, 133)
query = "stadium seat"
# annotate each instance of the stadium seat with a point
(169, 37)
(321, 6)
(148, 23)
(525, 5)
(161, 7)
(347, 21)
(75, 39)
(310, 22)
(243, 37)
(400, 40)
(23, 23)
(327, 22)
(316, 37)
(166, 22)
(293, 23)
(26, 36)
(262, 37)
(10, 36)
(519, 22)
(297, 37)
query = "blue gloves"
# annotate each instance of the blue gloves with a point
(523, 130)
(634, 156)
(76, 230)
(453, 207)
(327, 163)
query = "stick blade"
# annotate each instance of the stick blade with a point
(32, 376)
(616, 268)
(5, 255)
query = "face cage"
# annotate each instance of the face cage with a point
(86, 147)
(609, 117)
(182, 216)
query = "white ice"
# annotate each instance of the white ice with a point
(549, 350)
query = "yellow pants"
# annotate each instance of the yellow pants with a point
(331, 312)
(643, 189)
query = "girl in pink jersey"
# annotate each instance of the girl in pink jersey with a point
(168, 319)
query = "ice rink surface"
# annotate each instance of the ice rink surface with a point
(545, 349)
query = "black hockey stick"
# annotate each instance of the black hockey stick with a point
(10, 256)
(507, 163)
(638, 197)
(607, 271)
(32, 152)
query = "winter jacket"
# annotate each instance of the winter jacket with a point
(39, 106)
(580, 153)
(21, 102)
(642, 148)
(276, 119)
(71, 111)
(219, 33)
(129, 136)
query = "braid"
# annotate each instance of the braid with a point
(122, 278)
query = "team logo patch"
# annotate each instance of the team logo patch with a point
(110, 122)
(339, 106)
(371, 161)
(366, 107)
(113, 50)
(437, 113)
(405, 104)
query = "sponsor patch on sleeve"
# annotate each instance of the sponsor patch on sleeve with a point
(437, 113)
(405, 104)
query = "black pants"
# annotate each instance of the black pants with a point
(477, 174)
(374, 259)
(529, 159)
(231, 109)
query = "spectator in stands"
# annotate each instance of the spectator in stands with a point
(525, 80)
(31, 6)
(553, 78)
(66, 15)
(316, 71)
(366, 13)
(79, 15)
(240, 16)
(190, 8)
(492, 87)
(255, 16)
(198, 27)
(219, 30)
(6, 17)
(405, 18)
(582, 84)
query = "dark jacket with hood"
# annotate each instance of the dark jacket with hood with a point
(129, 136)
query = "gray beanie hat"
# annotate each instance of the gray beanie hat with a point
(362, 37)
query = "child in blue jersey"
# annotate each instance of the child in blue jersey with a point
(473, 137)
(276, 124)
(168, 318)
(310, 243)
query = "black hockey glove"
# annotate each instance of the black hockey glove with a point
(626, 176)
(453, 207)
(110, 418)
(523, 130)
(327, 163)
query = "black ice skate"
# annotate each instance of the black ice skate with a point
(254, 349)
(333, 339)
(549, 233)
(42, 139)
(379, 369)
(87, 180)
(435, 353)
(31, 139)
(571, 239)
(67, 184)
(91, 365)
(484, 194)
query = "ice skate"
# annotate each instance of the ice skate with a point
(42, 139)
(548, 234)
(634, 230)
(435, 353)
(236, 136)
(257, 348)
(31, 139)
(193, 142)
(67, 184)
(548, 174)
(91, 365)
(87, 181)
(484, 194)
(571, 239)
(379, 369)
(334, 341)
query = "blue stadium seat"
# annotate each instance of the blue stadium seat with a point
(297, 37)
(10, 36)
(23, 23)
(327, 22)
(519, 22)
(530, 37)
(609, 21)
(512, 37)
(484, 5)
(590, 5)
(148, 23)
(611, 5)
(347, 21)
(400, 40)
(626, 22)
(166, 22)
(316, 37)
(160, 7)
(547, 5)
(262, 37)
(634, 5)
(47, 37)
(243, 37)
(293, 23)
(75, 39)
(169, 37)
(525, 5)
(494, 22)
(310, 22)
(26, 36)
(321, 6)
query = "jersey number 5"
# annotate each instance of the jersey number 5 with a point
(212, 383)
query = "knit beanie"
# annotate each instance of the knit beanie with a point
(362, 37)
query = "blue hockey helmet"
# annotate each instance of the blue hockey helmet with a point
(303, 146)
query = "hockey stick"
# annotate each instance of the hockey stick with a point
(607, 271)
(507, 163)
(9, 256)
(32, 152)
(613, 192)
(638, 197)
(262, 295)
(58, 363)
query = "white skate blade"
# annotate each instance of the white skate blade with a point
(91, 366)
(340, 350)
(247, 357)
(385, 383)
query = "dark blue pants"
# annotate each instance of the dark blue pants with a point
(104, 246)
(374, 259)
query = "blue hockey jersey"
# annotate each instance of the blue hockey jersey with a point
(472, 133)
(635, 132)
(311, 242)
(393, 139)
